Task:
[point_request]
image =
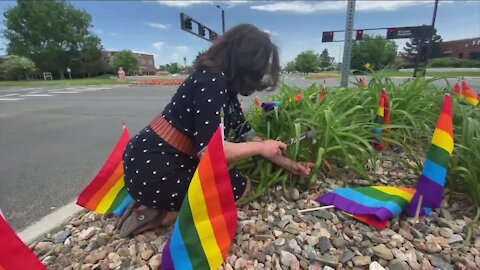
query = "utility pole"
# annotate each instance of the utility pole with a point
(430, 43)
(223, 18)
(347, 47)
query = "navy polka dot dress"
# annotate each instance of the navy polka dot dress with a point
(157, 174)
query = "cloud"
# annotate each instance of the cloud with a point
(158, 45)
(165, 53)
(271, 33)
(160, 26)
(113, 34)
(181, 49)
(182, 3)
(98, 31)
(234, 3)
(306, 7)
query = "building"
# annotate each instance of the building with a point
(146, 63)
(462, 48)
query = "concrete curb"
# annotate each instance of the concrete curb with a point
(49, 223)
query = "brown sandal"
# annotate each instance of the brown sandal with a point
(139, 218)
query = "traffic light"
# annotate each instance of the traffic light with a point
(327, 36)
(185, 22)
(391, 33)
(212, 35)
(359, 35)
(201, 30)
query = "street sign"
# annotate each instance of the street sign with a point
(424, 31)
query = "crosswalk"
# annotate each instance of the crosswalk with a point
(22, 94)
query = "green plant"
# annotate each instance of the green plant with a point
(454, 62)
(343, 122)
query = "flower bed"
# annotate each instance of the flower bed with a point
(343, 122)
(156, 82)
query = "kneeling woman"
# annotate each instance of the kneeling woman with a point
(161, 159)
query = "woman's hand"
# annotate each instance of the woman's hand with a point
(270, 148)
(302, 169)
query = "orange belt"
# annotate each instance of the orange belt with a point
(173, 136)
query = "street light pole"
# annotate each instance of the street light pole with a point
(347, 47)
(223, 18)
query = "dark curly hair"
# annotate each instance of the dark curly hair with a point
(248, 58)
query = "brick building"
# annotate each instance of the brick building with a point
(146, 63)
(462, 48)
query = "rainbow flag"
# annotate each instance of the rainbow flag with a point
(14, 254)
(382, 117)
(432, 181)
(374, 205)
(468, 94)
(107, 193)
(207, 221)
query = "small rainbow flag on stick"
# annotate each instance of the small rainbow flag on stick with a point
(14, 254)
(382, 117)
(432, 181)
(468, 94)
(207, 221)
(107, 192)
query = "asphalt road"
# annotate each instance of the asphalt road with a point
(54, 140)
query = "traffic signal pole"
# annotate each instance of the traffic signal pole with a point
(347, 47)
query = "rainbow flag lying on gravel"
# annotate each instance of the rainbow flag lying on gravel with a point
(374, 205)
(14, 254)
(207, 221)
(107, 192)
(431, 184)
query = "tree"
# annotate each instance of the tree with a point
(325, 59)
(127, 60)
(51, 33)
(91, 57)
(16, 67)
(307, 61)
(172, 68)
(376, 51)
(411, 48)
(290, 67)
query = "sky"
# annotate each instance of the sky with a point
(294, 26)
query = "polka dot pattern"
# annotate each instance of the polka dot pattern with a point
(158, 174)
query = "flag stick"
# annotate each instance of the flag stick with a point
(316, 208)
(419, 206)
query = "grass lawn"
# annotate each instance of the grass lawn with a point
(74, 82)
(446, 74)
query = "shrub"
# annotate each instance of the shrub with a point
(454, 63)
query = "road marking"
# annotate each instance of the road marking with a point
(9, 95)
(50, 222)
(34, 92)
(64, 92)
(37, 95)
(10, 99)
